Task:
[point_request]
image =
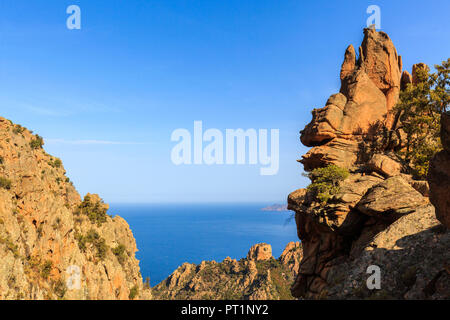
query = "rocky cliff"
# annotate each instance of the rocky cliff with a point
(378, 215)
(258, 276)
(53, 245)
(439, 175)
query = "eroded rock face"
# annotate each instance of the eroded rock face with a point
(44, 239)
(377, 206)
(370, 88)
(382, 64)
(291, 257)
(439, 175)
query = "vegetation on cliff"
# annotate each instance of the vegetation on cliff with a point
(420, 107)
(49, 236)
(94, 208)
(325, 182)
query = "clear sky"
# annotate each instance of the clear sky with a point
(106, 98)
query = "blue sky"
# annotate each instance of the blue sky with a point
(107, 97)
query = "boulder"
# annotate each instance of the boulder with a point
(341, 152)
(391, 199)
(384, 165)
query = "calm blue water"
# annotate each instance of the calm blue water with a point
(169, 235)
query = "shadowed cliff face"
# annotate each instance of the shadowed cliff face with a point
(377, 205)
(439, 175)
(48, 236)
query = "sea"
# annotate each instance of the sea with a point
(167, 235)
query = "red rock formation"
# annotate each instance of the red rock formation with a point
(382, 64)
(354, 131)
(406, 79)
(369, 89)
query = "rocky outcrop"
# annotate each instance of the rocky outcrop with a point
(379, 60)
(260, 252)
(370, 87)
(259, 276)
(53, 245)
(439, 175)
(377, 208)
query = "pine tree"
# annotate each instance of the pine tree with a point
(420, 107)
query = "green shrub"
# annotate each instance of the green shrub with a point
(37, 142)
(10, 245)
(5, 183)
(120, 253)
(18, 129)
(60, 288)
(133, 292)
(92, 237)
(46, 269)
(57, 163)
(81, 241)
(325, 182)
(102, 248)
(419, 111)
(96, 211)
